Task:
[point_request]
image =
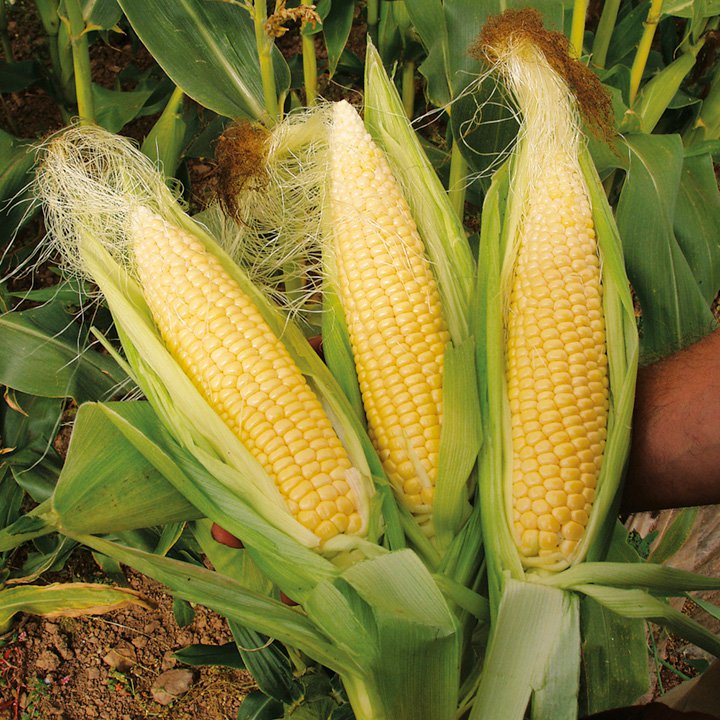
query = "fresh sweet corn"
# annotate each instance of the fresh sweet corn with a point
(221, 340)
(557, 369)
(551, 395)
(392, 309)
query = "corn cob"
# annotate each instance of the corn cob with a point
(224, 345)
(556, 369)
(392, 309)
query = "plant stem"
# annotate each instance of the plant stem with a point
(643, 51)
(408, 88)
(604, 32)
(264, 48)
(577, 31)
(4, 37)
(456, 182)
(81, 62)
(373, 14)
(309, 63)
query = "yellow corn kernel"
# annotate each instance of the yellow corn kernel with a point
(243, 371)
(392, 309)
(564, 385)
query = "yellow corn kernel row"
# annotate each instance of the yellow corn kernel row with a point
(556, 370)
(392, 308)
(222, 342)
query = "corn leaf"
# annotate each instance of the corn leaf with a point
(166, 139)
(16, 161)
(27, 527)
(208, 49)
(63, 600)
(636, 603)
(116, 108)
(106, 484)
(229, 598)
(697, 218)
(657, 93)
(336, 31)
(41, 354)
(674, 311)
(614, 658)
(675, 536)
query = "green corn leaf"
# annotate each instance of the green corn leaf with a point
(697, 217)
(208, 49)
(106, 484)
(674, 311)
(675, 536)
(656, 94)
(63, 600)
(257, 706)
(40, 355)
(225, 655)
(101, 14)
(336, 31)
(165, 141)
(229, 598)
(116, 108)
(637, 603)
(614, 658)
(710, 608)
(27, 527)
(689, 8)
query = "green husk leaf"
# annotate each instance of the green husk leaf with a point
(107, 484)
(415, 637)
(650, 576)
(228, 597)
(460, 440)
(63, 600)
(294, 567)
(623, 354)
(638, 603)
(534, 649)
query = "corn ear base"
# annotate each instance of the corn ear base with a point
(533, 656)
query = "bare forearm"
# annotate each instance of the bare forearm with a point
(675, 454)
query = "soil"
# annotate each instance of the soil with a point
(104, 667)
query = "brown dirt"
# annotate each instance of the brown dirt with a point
(60, 669)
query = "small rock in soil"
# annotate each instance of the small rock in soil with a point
(171, 685)
(122, 657)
